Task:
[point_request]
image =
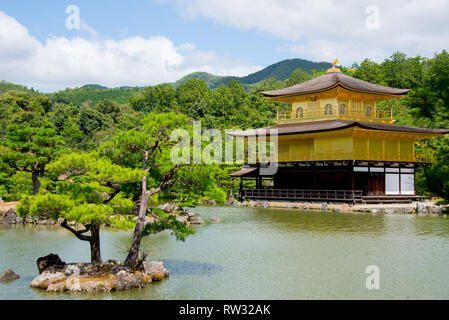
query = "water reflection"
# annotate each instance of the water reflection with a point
(183, 267)
(321, 222)
(432, 226)
(259, 254)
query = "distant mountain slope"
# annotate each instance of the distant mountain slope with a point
(283, 69)
(94, 94)
(279, 71)
(95, 86)
(8, 86)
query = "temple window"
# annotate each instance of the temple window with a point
(368, 112)
(312, 108)
(342, 109)
(328, 109)
(299, 113)
(357, 107)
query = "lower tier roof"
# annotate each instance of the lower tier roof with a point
(329, 125)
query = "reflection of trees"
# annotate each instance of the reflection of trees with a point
(432, 226)
(321, 222)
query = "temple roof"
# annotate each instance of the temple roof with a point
(330, 80)
(329, 125)
(245, 172)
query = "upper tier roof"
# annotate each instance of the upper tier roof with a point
(331, 79)
(329, 125)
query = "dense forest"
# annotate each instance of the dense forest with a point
(42, 133)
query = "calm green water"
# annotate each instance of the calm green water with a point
(261, 254)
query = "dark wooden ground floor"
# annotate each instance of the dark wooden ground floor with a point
(333, 181)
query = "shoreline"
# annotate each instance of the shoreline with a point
(427, 208)
(8, 215)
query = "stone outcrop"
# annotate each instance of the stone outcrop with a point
(156, 270)
(196, 219)
(124, 280)
(8, 275)
(103, 277)
(47, 278)
(51, 260)
(215, 220)
(9, 217)
(378, 211)
(230, 200)
(169, 208)
(188, 218)
(209, 202)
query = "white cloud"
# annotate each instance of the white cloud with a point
(133, 61)
(325, 29)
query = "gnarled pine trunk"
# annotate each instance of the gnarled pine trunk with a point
(133, 253)
(93, 239)
(95, 252)
(36, 182)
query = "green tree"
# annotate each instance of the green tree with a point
(109, 108)
(435, 180)
(62, 115)
(149, 148)
(88, 193)
(18, 106)
(401, 71)
(298, 76)
(429, 103)
(30, 149)
(193, 98)
(368, 71)
(92, 120)
(160, 99)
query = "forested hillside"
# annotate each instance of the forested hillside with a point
(278, 71)
(92, 93)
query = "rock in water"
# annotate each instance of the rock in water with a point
(215, 220)
(9, 217)
(168, 207)
(8, 275)
(156, 270)
(196, 220)
(230, 200)
(48, 261)
(212, 202)
(47, 278)
(125, 281)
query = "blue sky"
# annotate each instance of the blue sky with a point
(152, 41)
(120, 19)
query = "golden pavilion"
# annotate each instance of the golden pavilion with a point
(334, 144)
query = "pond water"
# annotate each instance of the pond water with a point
(259, 254)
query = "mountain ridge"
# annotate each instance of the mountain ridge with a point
(279, 71)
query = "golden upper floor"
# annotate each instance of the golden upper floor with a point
(334, 96)
(339, 107)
